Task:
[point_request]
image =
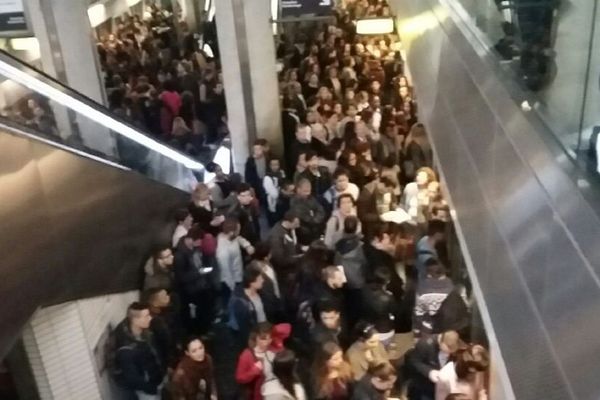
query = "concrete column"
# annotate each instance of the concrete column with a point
(68, 52)
(250, 78)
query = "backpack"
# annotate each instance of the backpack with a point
(111, 349)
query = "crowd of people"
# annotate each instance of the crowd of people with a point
(347, 294)
(157, 77)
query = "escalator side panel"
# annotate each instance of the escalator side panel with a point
(72, 227)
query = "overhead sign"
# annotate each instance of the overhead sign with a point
(12, 18)
(297, 8)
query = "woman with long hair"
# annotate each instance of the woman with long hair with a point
(285, 385)
(465, 374)
(333, 375)
(193, 378)
(255, 363)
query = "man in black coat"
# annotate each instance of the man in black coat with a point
(425, 361)
(246, 213)
(193, 276)
(138, 366)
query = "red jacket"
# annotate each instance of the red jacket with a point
(249, 375)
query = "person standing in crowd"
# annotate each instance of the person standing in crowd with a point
(203, 210)
(425, 361)
(285, 250)
(285, 385)
(377, 383)
(300, 145)
(246, 307)
(255, 364)
(465, 374)
(246, 212)
(431, 294)
(165, 324)
(319, 177)
(333, 375)
(426, 246)
(270, 293)
(194, 376)
(272, 184)
(229, 257)
(138, 366)
(309, 211)
(256, 168)
(367, 351)
(378, 305)
(194, 277)
(159, 272)
(334, 230)
(184, 220)
(329, 327)
(342, 185)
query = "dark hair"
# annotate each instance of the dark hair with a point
(466, 363)
(244, 187)
(339, 171)
(290, 216)
(345, 196)
(189, 340)
(195, 233)
(261, 251)
(158, 249)
(261, 329)
(261, 142)
(212, 167)
(387, 182)
(436, 226)
(326, 306)
(251, 274)
(181, 215)
(383, 371)
(310, 154)
(365, 330)
(135, 308)
(149, 294)
(434, 268)
(350, 225)
(284, 369)
(230, 225)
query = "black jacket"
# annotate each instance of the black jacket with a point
(378, 308)
(321, 183)
(421, 361)
(249, 226)
(364, 390)
(138, 361)
(320, 335)
(187, 266)
(284, 251)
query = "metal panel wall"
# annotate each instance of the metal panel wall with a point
(529, 232)
(72, 227)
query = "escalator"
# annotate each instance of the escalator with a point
(85, 196)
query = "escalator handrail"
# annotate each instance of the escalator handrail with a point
(18, 71)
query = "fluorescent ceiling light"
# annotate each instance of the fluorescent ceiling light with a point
(24, 44)
(95, 115)
(375, 26)
(212, 11)
(97, 14)
(208, 50)
(207, 4)
(131, 3)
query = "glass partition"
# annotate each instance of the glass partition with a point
(44, 107)
(550, 48)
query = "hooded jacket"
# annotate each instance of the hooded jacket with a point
(349, 253)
